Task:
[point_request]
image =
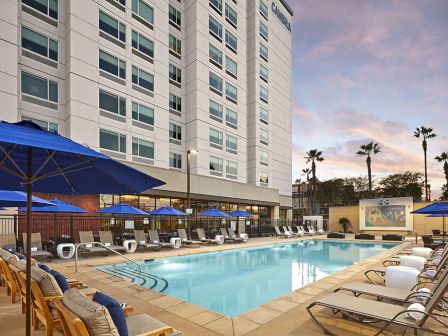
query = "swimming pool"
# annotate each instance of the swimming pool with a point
(234, 281)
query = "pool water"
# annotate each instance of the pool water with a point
(235, 281)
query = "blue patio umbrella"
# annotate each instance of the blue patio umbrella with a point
(214, 213)
(34, 159)
(59, 206)
(122, 209)
(12, 199)
(440, 209)
(167, 211)
(240, 213)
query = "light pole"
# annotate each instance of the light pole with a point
(189, 152)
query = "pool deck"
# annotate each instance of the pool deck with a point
(286, 315)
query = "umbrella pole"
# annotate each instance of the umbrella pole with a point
(29, 194)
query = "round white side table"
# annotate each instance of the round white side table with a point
(176, 242)
(61, 250)
(130, 245)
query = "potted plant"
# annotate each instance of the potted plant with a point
(345, 222)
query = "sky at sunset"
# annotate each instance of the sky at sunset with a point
(370, 70)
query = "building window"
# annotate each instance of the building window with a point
(142, 113)
(45, 125)
(215, 138)
(143, 148)
(175, 103)
(232, 169)
(264, 11)
(142, 44)
(175, 46)
(264, 158)
(264, 52)
(112, 103)
(175, 161)
(143, 11)
(112, 65)
(47, 7)
(142, 78)
(215, 55)
(215, 28)
(112, 27)
(175, 74)
(112, 141)
(215, 83)
(231, 117)
(216, 165)
(264, 178)
(264, 94)
(231, 16)
(264, 30)
(175, 17)
(39, 87)
(39, 44)
(264, 115)
(264, 136)
(231, 92)
(216, 5)
(215, 109)
(264, 73)
(231, 41)
(231, 67)
(231, 143)
(175, 132)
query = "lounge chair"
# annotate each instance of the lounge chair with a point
(281, 234)
(88, 244)
(203, 238)
(81, 316)
(365, 310)
(299, 233)
(142, 241)
(428, 241)
(311, 230)
(37, 252)
(8, 242)
(242, 236)
(8, 281)
(228, 238)
(184, 239)
(305, 232)
(154, 239)
(106, 240)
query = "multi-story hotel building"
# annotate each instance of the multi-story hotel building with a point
(144, 81)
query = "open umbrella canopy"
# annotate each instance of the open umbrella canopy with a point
(11, 199)
(213, 213)
(122, 209)
(434, 208)
(167, 211)
(240, 213)
(61, 165)
(59, 206)
(1, 209)
(438, 215)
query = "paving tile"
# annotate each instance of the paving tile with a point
(205, 317)
(148, 295)
(242, 326)
(331, 280)
(222, 326)
(311, 290)
(298, 297)
(165, 302)
(185, 310)
(281, 305)
(261, 315)
(323, 285)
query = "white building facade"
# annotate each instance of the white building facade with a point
(146, 80)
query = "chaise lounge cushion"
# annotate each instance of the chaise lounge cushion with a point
(44, 267)
(115, 311)
(96, 317)
(139, 324)
(61, 280)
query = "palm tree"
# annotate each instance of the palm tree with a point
(425, 133)
(313, 156)
(367, 150)
(307, 173)
(443, 158)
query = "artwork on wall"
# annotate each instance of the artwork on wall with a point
(386, 214)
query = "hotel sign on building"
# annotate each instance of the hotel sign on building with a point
(279, 14)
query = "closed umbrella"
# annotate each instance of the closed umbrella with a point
(437, 208)
(47, 162)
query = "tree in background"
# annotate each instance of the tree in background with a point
(361, 187)
(345, 222)
(425, 133)
(443, 158)
(307, 173)
(368, 150)
(444, 196)
(335, 192)
(402, 185)
(313, 156)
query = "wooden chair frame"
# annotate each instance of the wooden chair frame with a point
(8, 280)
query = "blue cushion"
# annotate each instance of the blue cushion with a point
(19, 255)
(115, 311)
(60, 279)
(44, 267)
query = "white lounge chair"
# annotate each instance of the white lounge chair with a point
(281, 234)
(299, 233)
